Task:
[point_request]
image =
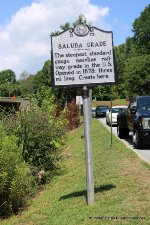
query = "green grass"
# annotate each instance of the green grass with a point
(122, 186)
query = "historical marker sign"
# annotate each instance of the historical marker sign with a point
(83, 56)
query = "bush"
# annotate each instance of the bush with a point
(16, 182)
(73, 116)
(41, 131)
(40, 136)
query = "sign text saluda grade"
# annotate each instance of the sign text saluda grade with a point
(83, 56)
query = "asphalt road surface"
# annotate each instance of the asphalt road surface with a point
(144, 154)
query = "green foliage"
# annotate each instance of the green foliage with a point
(40, 136)
(141, 29)
(81, 19)
(102, 92)
(132, 59)
(66, 26)
(40, 132)
(131, 48)
(66, 94)
(26, 85)
(121, 183)
(43, 78)
(32, 138)
(120, 57)
(137, 73)
(4, 91)
(8, 90)
(9, 86)
(45, 98)
(16, 182)
(7, 76)
(2, 113)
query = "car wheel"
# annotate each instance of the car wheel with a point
(120, 132)
(137, 140)
(126, 133)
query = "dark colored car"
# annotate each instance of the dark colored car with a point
(101, 111)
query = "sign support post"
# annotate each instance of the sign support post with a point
(88, 147)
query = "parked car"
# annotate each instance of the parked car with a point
(114, 111)
(101, 110)
(137, 121)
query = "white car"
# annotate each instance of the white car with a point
(112, 114)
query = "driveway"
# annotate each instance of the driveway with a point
(144, 154)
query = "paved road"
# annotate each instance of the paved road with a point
(144, 154)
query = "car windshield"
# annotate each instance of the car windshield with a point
(102, 107)
(115, 110)
(144, 103)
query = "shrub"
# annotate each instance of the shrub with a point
(40, 135)
(16, 182)
(73, 116)
(41, 131)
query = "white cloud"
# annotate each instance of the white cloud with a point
(25, 39)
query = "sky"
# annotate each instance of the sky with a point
(26, 25)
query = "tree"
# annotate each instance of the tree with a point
(141, 29)
(81, 19)
(120, 59)
(105, 93)
(132, 59)
(43, 78)
(131, 48)
(24, 75)
(137, 73)
(7, 76)
(27, 85)
(66, 26)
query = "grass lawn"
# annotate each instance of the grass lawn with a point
(122, 186)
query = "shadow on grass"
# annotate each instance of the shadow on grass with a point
(106, 187)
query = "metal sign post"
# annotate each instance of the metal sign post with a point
(88, 147)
